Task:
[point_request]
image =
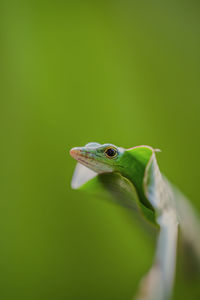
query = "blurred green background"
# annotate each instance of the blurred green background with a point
(125, 72)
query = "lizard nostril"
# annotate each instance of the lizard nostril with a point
(74, 152)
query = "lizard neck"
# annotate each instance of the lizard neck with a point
(135, 162)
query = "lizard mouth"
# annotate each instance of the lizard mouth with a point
(81, 156)
(77, 153)
(89, 160)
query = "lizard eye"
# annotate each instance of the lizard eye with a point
(111, 152)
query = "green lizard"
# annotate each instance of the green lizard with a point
(132, 177)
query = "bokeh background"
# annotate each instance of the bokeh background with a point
(72, 72)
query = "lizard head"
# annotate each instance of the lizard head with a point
(99, 158)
